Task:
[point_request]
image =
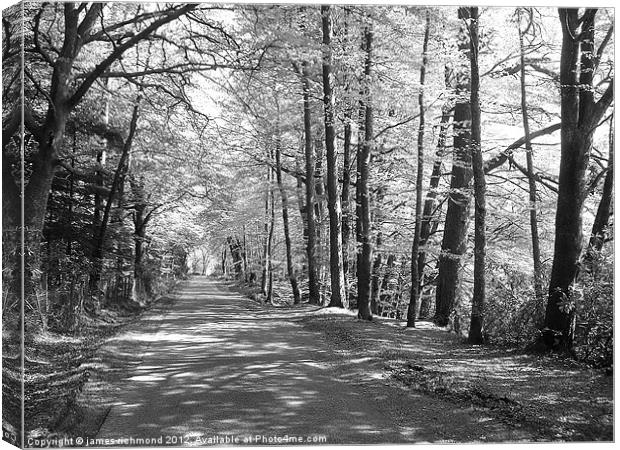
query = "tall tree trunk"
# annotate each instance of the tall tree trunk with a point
(430, 213)
(287, 237)
(224, 261)
(415, 248)
(476, 328)
(269, 298)
(268, 227)
(322, 239)
(454, 241)
(346, 204)
(346, 168)
(244, 254)
(376, 281)
(338, 297)
(580, 115)
(358, 170)
(313, 281)
(140, 220)
(529, 154)
(365, 261)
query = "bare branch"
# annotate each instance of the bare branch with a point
(500, 159)
(118, 52)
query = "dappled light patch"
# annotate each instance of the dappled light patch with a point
(531, 391)
(242, 370)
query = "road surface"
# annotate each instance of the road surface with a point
(217, 367)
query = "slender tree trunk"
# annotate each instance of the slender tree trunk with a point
(346, 205)
(580, 116)
(429, 214)
(529, 154)
(205, 257)
(358, 170)
(600, 231)
(364, 271)
(375, 288)
(431, 211)
(69, 218)
(476, 328)
(313, 282)
(301, 201)
(224, 261)
(269, 298)
(268, 235)
(454, 241)
(322, 238)
(287, 237)
(140, 224)
(119, 176)
(338, 297)
(415, 248)
(346, 169)
(245, 256)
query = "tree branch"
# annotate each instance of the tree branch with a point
(535, 176)
(88, 22)
(500, 159)
(599, 108)
(601, 48)
(118, 52)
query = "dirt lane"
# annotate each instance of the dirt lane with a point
(217, 364)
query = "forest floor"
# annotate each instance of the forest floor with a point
(210, 362)
(552, 398)
(56, 367)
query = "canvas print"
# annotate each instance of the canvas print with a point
(306, 224)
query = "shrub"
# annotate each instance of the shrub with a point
(594, 314)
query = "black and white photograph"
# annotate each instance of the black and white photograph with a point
(306, 224)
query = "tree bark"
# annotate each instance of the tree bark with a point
(244, 254)
(376, 283)
(415, 248)
(338, 297)
(365, 261)
(454, 241)
(268, 226)
(429, 212)
(580, 115)
(287, 237)
(313, 282)
(141, 218)
(476, 328)
(346, 199)
(346, 170)
(269, 298)
(529, 154)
